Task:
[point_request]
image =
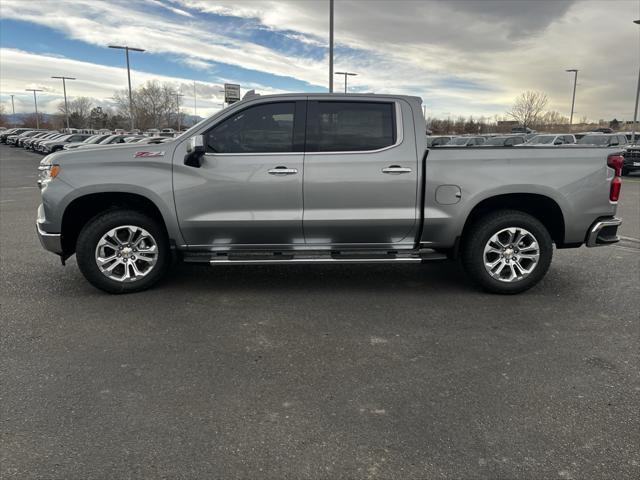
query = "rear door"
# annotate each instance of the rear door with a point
(360, 173)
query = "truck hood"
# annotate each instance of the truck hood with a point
(109, 153)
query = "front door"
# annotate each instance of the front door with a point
(361, 171)
(248, 191)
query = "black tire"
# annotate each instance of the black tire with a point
(480, 233)
(97, 227)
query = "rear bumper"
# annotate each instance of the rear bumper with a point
(603, 232)
(50, 241)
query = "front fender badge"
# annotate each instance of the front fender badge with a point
(148, 154)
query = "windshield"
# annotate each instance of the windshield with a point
(542, 140)
(458, 141)
(594, 140)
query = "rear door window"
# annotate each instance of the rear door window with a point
(335, 126)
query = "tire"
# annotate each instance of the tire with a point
(108, 235)
(516, 267)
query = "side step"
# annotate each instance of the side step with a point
(282, 258)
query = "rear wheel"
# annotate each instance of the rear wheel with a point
(122, 251)
(507, 251)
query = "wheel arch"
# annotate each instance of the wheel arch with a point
(540, 206)
(83, 208)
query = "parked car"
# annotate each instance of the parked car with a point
(526, 130)
(110, 140)
(12, 131)
(19, 141)
(151, 140)
(466, 142)
(438, 141)
(604, 140)
(504, 141)
(56, 144)
(549, 140)
(14, 139)
(323, 178)
(631, 159)
(36, 142)
(26, 141)
(92, 140)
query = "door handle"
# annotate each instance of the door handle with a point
(396, 169)
(283, 171)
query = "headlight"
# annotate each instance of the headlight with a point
(47, 172)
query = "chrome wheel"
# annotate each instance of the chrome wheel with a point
(126, 253)
(511, 254)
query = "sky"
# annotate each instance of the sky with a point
(463, 57)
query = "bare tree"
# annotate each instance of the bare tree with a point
(154, 105)
(528, 108)
(79, 111)
(3, 117)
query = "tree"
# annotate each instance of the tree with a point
(614, 124)
(79, 111)
(98, 118)
(154, 105)
(3, 117)
(528, 107)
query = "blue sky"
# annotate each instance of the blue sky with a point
(496, 50)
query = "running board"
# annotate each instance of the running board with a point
(282, 258)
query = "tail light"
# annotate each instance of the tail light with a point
(616, 162)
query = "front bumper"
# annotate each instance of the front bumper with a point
(50, 241)
(603, 232)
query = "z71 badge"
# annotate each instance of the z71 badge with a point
(148, 154)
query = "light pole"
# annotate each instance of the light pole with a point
(331, 46)
(126, 51)
(13, 109)
(35, 102)
(195, 104)
(64, 89)
(573, 101)
(346, 74)
(635, 111)
(178, 95)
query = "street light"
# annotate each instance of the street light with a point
(573, 101)
(64, 89)
(13, 109)
(195, 101)
(346, 74)
(635, 111)
(126, 51)
(331, 46)
(35, 102)
(178, 95)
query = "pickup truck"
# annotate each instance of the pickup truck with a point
(323, 178)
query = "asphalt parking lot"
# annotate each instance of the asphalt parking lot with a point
(316, 371)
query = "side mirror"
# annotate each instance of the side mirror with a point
(196, 144)
(195, 151)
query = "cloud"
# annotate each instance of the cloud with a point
(98, 82)
(463, 56)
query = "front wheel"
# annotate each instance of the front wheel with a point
(507, 251)
(123, 251)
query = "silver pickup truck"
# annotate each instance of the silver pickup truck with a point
(323, 178)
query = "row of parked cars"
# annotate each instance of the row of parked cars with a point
(531, 140)
(48, 141)
(631, 152)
